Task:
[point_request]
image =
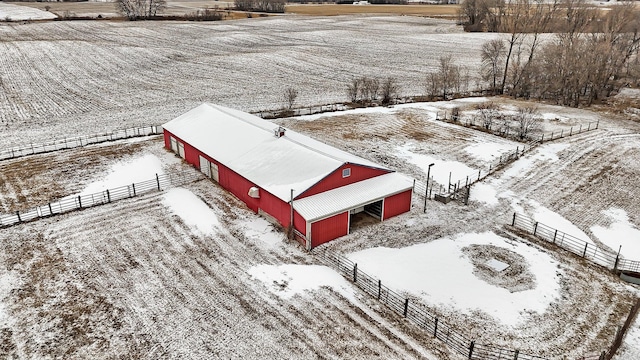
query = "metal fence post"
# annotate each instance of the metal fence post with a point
(535, 228)
(355, 273)
(597, 123)
(471, 349)
(134, 189)
(18, 214)
(50, 211)
(584, 253)
(406, 307)
(108, 196)
(379, 288)
(554, 236)
(158, 181)
(513, 222)
(435, 329)
(80, 201)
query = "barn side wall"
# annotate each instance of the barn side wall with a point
(323, 231)
(239, 186)
(397, 204)
(335, 179)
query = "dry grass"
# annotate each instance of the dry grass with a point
(440, 11)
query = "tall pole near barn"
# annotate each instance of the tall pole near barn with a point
(426, 191)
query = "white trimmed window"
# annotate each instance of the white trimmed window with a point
(346, 172)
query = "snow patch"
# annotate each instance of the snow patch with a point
(440, 171)
(545, 154)
(554, 220)
(620, 232)
(260, 229)
(485, 193)
(419, 269)
(288, 280)
(191, 210)
(8, 282)
(125, 173)
(488, 151)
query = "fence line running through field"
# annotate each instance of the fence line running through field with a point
(419, 315)
(497, 128)
(79, 141)
(603, 257)
(455, 185)
(76, 202)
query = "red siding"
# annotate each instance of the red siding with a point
(275, 207)
(397, 204)
(300, 223)
(335, 179)
(238, 186)
(330, 228)
(190, 153)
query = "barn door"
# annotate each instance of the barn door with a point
(214, 172)
(205, 166)
(174, 145)
(181, 149)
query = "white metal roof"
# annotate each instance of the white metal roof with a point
(247, 145)
(351, 196)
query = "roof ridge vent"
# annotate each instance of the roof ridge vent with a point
(279, 132)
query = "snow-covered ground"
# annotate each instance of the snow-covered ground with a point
(419, 270)
(150, 279)
(11, 12)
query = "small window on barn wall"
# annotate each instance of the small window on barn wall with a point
(346, 172)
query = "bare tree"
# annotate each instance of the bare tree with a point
(290, 96)
(140, 9)
(353, 89)
(493, 53)
(487, 114)
(370, 88)
(527, 120)
(390, 90)
(447, 79)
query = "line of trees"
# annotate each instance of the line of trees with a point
(369, 90)
(270, 6)
(140, 9)
(565, 51)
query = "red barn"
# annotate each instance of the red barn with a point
(286, 176)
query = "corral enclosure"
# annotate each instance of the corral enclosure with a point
(144, 277)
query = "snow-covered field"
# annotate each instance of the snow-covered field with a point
(191, 273)
(11, 12)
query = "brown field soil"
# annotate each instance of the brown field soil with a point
(441, 11)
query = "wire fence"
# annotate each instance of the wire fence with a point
(79, 141)
(275, 114)
(507, 128)
(585, 249)
(82, 201)
(456, 185)
(419, 315)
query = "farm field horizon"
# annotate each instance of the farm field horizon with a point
(190, 272)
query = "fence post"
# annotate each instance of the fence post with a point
(479, 172)
(571, 131)
(80, 201)
(158, 181)
(535, 228)
(379, 288)
(18, 213)
(615, 266)
(542, 139)
(355, 272)
(435, 329)
(50, 211)
(108, 196)
(584, 253)
(515, 356)
(471, 349)
(597, 123)
(134, 189)
(513, 222)
(561, 132)
(554, 236)
(579, 131)
(589, 127)
(406, 307)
